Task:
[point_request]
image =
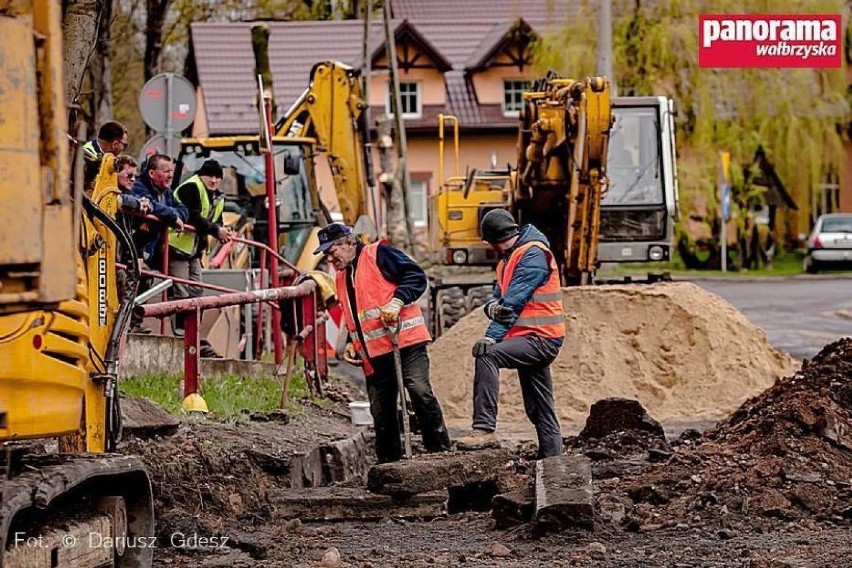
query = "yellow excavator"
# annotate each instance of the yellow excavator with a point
(557, 183)
(596, 174)
(66, 497)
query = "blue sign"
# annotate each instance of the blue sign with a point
(726, 202)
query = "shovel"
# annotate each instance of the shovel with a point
(397, 361)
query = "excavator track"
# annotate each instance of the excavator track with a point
(81, 510)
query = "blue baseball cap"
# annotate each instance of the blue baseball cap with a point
(330, 235)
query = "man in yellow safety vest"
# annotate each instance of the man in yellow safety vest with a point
(201, 196)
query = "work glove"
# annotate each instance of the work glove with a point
(498, 312)
(480, 348)
(390, 313)
(351, 355)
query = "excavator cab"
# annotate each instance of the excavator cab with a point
(244, 185)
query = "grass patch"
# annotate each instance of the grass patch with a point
(227, 396)
(785, 264)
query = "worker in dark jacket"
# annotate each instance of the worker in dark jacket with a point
(378, 286)
(155, 185)
(526, 331)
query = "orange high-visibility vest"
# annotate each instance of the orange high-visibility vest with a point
(543, 314)
(372, 292)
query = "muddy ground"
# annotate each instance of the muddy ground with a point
(770, 486)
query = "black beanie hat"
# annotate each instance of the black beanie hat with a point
(497, 226)
(210, 168)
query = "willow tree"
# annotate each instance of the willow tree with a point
(792, 113)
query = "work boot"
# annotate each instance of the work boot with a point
(478, 440)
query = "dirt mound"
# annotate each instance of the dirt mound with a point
(211, 471)
(685, 353)
(786, 453)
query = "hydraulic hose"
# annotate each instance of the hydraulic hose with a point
(113, 414)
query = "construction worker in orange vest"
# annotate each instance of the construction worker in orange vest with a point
(526, 331)
(378, 286)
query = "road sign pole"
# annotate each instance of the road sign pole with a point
(170, 98)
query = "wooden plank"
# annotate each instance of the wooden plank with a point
(436, 471)
(563, 492)
(344, 503)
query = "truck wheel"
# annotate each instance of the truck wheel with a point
(451, 307)
(478, 296)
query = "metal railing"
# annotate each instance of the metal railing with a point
(311, 336)
(266, 253)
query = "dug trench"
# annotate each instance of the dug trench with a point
(768, 485)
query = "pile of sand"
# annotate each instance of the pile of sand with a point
(685, 353)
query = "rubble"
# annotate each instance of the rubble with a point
(785, 454)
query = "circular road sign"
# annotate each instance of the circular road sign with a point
(158, 144)
(167, 95)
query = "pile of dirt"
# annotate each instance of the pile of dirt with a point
(786, 453)
(685, 353)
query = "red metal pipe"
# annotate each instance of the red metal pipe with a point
(155, 274)
(270, 251)
(235, 299)
(165, 271)
(272, 228)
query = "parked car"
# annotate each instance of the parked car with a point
(830, 243)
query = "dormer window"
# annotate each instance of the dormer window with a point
(513, 91)
(409, 93)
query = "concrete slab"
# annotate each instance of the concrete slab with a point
(563, 493)
(143, 418)
(436, 471)
(151, 354)
(343, 503)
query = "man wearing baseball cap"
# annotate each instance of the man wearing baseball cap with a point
(378, 286)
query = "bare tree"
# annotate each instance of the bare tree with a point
(155, 20)
(101, 69)
(80, 27)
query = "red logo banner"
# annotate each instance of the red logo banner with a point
(769, 40)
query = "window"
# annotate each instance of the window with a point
(409, 93)
(513, 100)
(417, 202)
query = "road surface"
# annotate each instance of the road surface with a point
(799, 315)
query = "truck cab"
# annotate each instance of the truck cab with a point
(640, 207)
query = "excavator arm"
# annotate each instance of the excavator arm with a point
(330, 111)
(561, 168)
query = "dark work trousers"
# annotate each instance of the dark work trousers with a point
(186, 268)
(531, 356)
(384, 394)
